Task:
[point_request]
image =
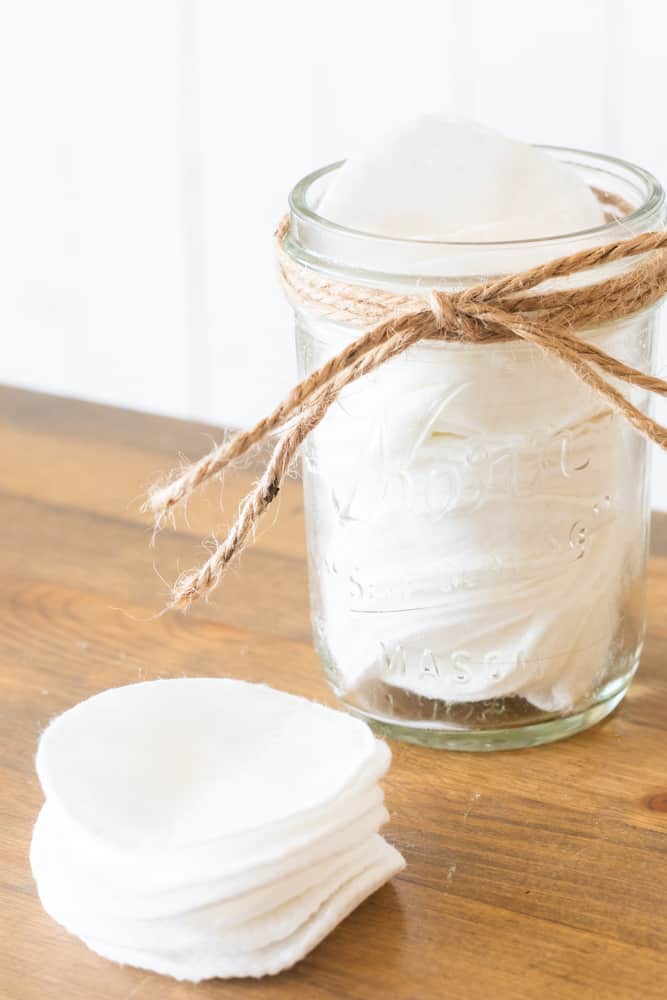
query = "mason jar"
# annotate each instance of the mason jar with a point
(477, 517)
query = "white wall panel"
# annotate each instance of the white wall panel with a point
(91, 201)
(539, 70)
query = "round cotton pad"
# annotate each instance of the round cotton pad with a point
(438, 177)
(220, 925)
(496, 467)
(206, 828)
(166, 764)
(213, 961)
(58, 861)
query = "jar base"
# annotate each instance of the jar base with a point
(509, 738)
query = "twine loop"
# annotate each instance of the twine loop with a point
(516, 307)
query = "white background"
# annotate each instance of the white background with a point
(147, 148)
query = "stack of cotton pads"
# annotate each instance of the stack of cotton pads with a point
(207, 827)
(465, 483)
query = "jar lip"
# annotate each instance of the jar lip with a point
(650, 205)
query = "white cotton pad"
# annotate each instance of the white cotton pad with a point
(207, 827)
(216, 926)
(62, 866)
(162, 765)
(238, 862)
(492, 492)
(213, 961)
(491, 470)
(443, 178)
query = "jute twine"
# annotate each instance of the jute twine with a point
(511, 308)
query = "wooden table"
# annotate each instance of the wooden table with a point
(534, 873)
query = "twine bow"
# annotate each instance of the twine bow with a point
(511, 308)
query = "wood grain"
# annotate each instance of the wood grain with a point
(535, 873)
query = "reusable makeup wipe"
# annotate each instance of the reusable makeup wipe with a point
(208, 827)
(438, 177)
(465, 482)
(277, 955)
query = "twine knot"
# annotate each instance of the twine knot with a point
(511, 308)
(444, 308)
(456, 318)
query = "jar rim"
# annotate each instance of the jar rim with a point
(651, 203)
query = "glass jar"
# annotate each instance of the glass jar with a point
(477, 518)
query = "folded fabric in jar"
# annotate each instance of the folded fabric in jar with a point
(492, 470)
(483, 592)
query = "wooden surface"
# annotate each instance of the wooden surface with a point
(534, 873)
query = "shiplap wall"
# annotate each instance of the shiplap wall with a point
(147, 148)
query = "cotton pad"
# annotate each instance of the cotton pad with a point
(492, 491)
(356, 767)
(468, 498)
(206, 826)
(230, 860)
(195, 759)
(274, 957)
(443, 178)
(216, 926)
(56, 859)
